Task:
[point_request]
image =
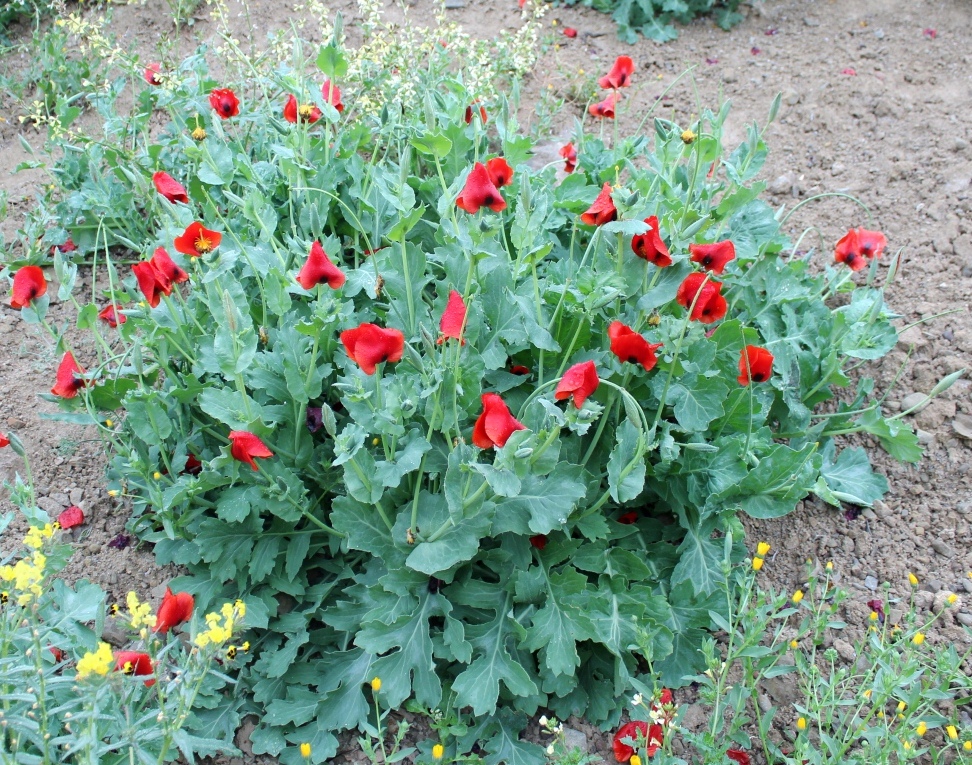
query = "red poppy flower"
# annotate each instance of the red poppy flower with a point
(620, 74)
(332, 95)
(71, 517)
(635, 730)
(651, 246)
(369, 345)
(710, 305)
(319, 270)
(628, 518)
(246, 446)
(453, 319)
(59, 655)
(539, 541)
(605, 108)
(500, 173)
(193, 465)
(28, 283)
(603, 210)
(665, 697)
(858, 246)
(69, 380)
(176, 608)
(167, 269)
(169, 187)
(151, 282)
(570, 32)
(569, 153)
(111, 316)
(307, 112)
(579, 382)
(519, 369)
(196, 240)
(4, 441)
(68, 246)
(713, 257)
(755, 365)
(495, 425)
(738, 755)
(151, 74)
(469, 113)
(134, 663)
(632, 347)
(480, 191)
(225, 102)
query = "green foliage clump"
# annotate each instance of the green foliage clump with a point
(656, 19)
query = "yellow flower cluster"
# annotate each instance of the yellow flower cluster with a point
(25, 576)
(37, 535)
(140, 613)
(95, 662)
(220, 625)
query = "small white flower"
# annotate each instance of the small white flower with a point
(637, 699)
(543, 720)
(550, 749)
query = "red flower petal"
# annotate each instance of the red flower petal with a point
(149, 283)
(569, 153)
(519, 369)
(632, 347)
(111, 316)
(620, 74)
(332, 95)
(628, 518)
(495, 425)
(169, 187)
(500, 173)
(469, 111)
(176, 608)
(166, 269)
(59, 655)
(713, 257)
(539, 541)
(151, 74)
(755, 364)
(453, 318)
(849, 71)
(631, 730)
(480, 191)
(4, 441)
(605, 108)
(579, 382)
(319, 270)
(245, 446)
(872, 243)
(134, 663)
(197, 240)
(225, 102)
(570, 32)
(28, 283)
(71, 517)
(651, 246)
(290, 109)
(603, 210)
(69, 381)
(738, 755)
(369, 345)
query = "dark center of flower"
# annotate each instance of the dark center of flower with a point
(632, 359)
(759, 376)
(707, 260)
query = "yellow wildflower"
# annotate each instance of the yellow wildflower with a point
(967, 746)
(438, 751)
(762, 548)
(35, 537)
(919, 638)
(867, 693)
(952, 597)
(141, 613)
(801, 723)
(109, 423)
(951, 731)
(794, 644)
(376, 684)
(912, 579)
(907, 745)
(797, 596)
(922, 728)
(305, 750)
(874, 616)
(901, 706)
(199, 134)
(688, 136)
(830, 565)
(113, 492)
(757, 563)
(95, 662)
(635, 760)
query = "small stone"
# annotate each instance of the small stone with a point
(62, 499)
(575, 739)
(114, 634)
(158, 592)
(764, 702)
(960, 145)
(941, 602)
(791, 97)
(917, 400)
(869, 514)
(454, 4)
(112, 578)
(965, 619)
(967, 585)
(94, 548)
(962, 425)
(729, 76)
(881, 509)
(845, 650)
(911, 336)
(236, 761)
(16, 424)
(871, 582)
(77, 496)
(924, 437)
(49, 506)
(809, 21)
(942, 549)
(933, 585)
(879, 34)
